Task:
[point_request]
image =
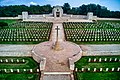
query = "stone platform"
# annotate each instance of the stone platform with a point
(56, 61)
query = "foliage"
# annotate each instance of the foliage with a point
(100, 11)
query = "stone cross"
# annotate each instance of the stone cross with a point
(57, 31)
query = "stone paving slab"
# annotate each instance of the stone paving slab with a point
(102, 49)
(15, 50)
(56, 77)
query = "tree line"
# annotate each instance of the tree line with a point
(100, 11)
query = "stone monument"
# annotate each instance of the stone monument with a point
(57, 11)
(90, 15)
(24, 15)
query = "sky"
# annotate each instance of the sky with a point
(113, 5)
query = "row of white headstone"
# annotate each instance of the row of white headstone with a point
(19, 70)
(30, 25)
(11, 60)
(95, 69)
(97, 25)
(105, 59)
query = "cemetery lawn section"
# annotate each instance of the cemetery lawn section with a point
(28, 64)
(98, 75)
(18, 63)
(9, 21)
(13, 76)
(25, 33)
(100, 32)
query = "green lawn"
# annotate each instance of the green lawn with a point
(29, 64)
(19, 76)
(98, 76)
(9, 21)
(83, 63)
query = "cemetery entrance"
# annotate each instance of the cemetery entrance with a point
(58, 14)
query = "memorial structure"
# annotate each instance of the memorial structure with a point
(57, 14)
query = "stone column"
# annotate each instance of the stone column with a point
(24, 16)
(90, 15)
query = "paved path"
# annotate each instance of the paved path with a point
(60, 32)
(104, 49)
(15, 50)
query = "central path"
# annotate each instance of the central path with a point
(57, 64)
(53, 35)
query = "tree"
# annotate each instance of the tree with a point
(66, 8)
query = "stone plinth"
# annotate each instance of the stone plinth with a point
(56, 60)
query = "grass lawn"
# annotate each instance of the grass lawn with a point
(9, 21)
(29, 64)
(98, 76)
(19, 76)
(83, 63)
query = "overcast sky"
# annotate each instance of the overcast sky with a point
(113, 5)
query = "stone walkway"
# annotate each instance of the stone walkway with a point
(56, 61)
(61, 36)
(15, 50)
(104, 49)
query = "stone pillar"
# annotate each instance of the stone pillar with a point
(90, 15)
(24, 15)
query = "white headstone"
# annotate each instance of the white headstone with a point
(89, 60)
(6, 60)
(101, 69)
(118, 69)
(99, 59)
(110, 59)
(23, 60)
(107, 69)
(113, 69)
(11, 70)
(18, 70)
(17, 60)
(76, 69)
(88, 69)
(5, 70)
(82, 69)
(105, 59)
(115, 59)
(11, 60)
(31, 70)
(24, 69)
(1, 60)
(37, 70)
(94, 69)
(94, 59)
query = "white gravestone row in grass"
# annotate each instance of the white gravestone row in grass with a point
(19, 70)
(96, 69)
(12, 60)
(26, 32)
(80, 33)
(104, 59)
(31, 35)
